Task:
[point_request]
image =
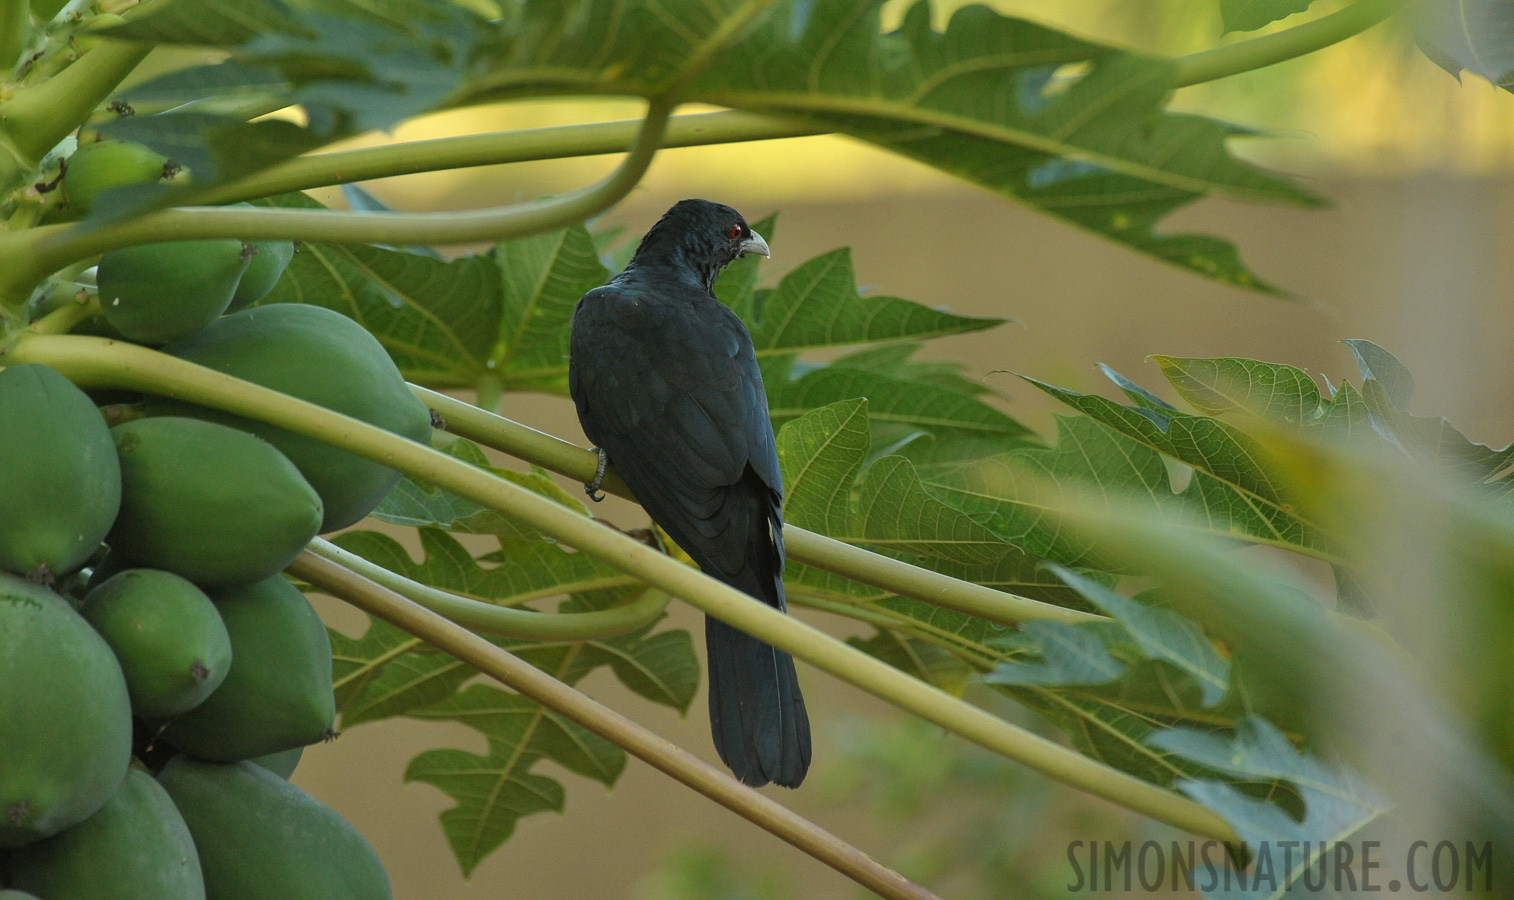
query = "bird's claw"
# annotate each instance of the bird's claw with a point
(592, 487)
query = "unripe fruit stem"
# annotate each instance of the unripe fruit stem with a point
(503, 621)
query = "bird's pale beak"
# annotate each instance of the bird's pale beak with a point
(755, 244)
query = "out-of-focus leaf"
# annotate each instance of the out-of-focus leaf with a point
(1070, 655)
(1249, 15)
(494, 791)
(1337, 802)
(822, 455)
(204, 87)
(1161, 634)
(350, 67)
(207, 22)
(1387, 387)
(1475, 35)
(1234, 488)
(214, 147)
(1377, 364)
(1111, 722)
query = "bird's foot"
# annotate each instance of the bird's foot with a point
(592, 487)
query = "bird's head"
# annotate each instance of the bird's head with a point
(698, 238)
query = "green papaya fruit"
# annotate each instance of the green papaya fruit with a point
(269, 260)
(136, 847)
(167, 636)
(211, 503)
(60, 483)
(260, 837)
(106, 165)
(156, 293)
(65, 720)
(278, 694)
(322, 356)
(281, 764)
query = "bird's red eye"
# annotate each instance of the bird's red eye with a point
(735, 232)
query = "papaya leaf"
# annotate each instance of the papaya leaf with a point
(207, 22)
(925, 660)
(1228, 385)
(388, 673)
(949, 415)
(419, 504)
(436, 318)
(1387, 387)
(494, 791)
(1234, 487)
(1472, 35)
(988, 98)
(1160, 633)
(980, 99)
(1088, 458)
(1249, 15)
(817, 305)
(822, 456)
(1070, 655)
(351, 68)
(1377, 364)
(1112, 722)
(1337, 802)
(205, 87)
(542, 277)
(898, 360)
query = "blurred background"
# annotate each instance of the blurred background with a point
(1414, 254)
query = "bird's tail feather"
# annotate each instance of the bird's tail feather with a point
(757, 714)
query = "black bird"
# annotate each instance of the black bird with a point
(667, 387)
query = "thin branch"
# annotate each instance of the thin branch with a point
(1281, 46)
(521, 624)
(656, 751)
(885, 573)
(98, 362)
(65, 318)
(41, 251)
(559, 142)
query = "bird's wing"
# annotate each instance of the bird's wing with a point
(667, 384)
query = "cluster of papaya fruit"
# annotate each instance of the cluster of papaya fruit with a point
(159, 676)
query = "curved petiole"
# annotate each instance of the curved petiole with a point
(504, 621)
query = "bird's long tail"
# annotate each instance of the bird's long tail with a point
(757, 714)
